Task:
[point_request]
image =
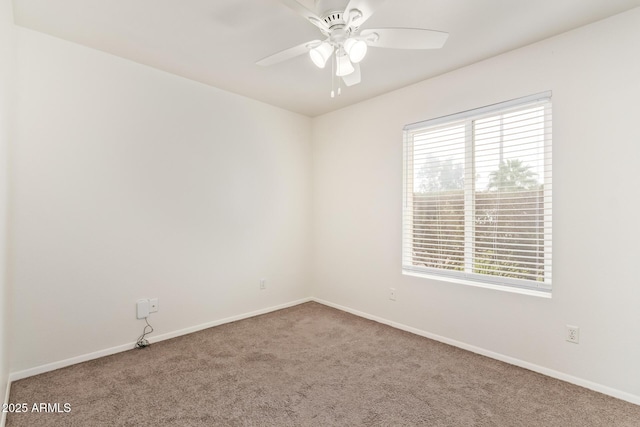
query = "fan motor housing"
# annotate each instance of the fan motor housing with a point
(334, 18)
(337, 23)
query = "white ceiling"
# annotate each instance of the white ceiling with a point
(217, 42)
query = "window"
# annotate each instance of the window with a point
(477, 195)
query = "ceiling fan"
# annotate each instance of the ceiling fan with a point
(345, 44)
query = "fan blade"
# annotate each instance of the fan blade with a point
(404, 38)
(286, 54)
(353, 78)
(303, 11)
(367, 7)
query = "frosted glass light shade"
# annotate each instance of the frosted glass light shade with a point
(319, 55)
(356, 49)
(344, 67)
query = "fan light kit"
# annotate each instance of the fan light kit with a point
(345, 44)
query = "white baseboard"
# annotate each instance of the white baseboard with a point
(14, 376)
(632, 398)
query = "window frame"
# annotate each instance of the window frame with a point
(468, 118)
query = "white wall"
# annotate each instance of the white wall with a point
(7, 66)
(130, 183)
(594, 74)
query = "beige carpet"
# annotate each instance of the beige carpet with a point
(309, 365)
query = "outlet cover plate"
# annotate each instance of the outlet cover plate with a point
(573, 334)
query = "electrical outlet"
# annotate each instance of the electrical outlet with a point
(573, 334)
(392, 294)
(145, 306)
(263, 284)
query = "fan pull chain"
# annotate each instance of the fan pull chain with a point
(334, 65)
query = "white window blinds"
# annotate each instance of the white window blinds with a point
(477, 195)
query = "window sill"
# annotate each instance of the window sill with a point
(503, 288)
